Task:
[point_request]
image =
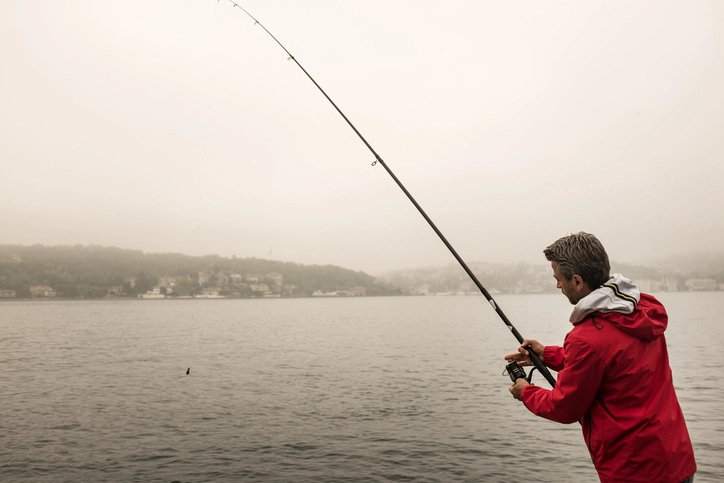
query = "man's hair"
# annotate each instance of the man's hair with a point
(580, 254)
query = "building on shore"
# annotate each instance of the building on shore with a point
(154, 293)
(42, 291)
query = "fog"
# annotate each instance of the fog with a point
(181, 126)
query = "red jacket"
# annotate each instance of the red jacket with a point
(614, 377)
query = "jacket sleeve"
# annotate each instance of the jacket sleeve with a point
(553, 357)
(575, 389)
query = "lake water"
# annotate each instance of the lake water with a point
(309, 390)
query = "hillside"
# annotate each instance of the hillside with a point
(95, 271)
(701, 264)
(676, 274)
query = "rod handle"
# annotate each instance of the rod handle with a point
(541, 368)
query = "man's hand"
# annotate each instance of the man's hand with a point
(517, 389)
(522, 357)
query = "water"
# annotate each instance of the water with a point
(355, 390)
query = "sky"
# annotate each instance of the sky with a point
(181, 126)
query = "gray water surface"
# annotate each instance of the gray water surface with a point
(353, 389)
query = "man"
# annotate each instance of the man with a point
(613, 372)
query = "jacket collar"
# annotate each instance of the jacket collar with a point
(618, 294)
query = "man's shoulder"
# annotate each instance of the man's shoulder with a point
(596, 330)
(583, 332)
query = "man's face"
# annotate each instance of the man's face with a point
(570, 288)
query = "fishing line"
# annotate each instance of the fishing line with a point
(378, 160)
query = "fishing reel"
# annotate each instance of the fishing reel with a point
(517, 372)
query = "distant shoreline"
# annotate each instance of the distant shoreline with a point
(130, 299)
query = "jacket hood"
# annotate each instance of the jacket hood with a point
(620, 302)
(648, 321)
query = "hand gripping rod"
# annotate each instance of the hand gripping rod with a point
(534, 358)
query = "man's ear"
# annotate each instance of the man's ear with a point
(579, 285)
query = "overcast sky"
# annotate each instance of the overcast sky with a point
(180, 126)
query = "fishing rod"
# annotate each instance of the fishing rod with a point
(537, 363)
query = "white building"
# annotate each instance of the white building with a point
(154, 293)
(42, 291)
(276, 278)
